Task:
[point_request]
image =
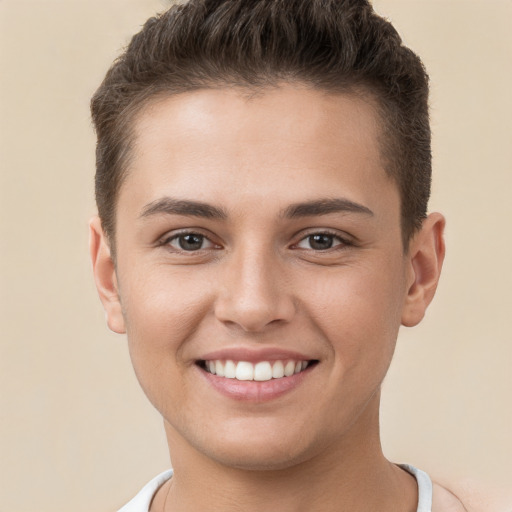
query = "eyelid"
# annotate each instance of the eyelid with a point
(173, 235)
(345, 240)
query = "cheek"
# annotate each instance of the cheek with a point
(162, 304)
(162, 310)
(358, 310)
(160, 315)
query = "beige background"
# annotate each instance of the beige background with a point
(76, 432)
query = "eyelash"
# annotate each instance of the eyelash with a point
(343, 242)
(166, 241)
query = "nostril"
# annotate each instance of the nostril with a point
(252, 319)
(254, 303)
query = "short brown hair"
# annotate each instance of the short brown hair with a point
(331, 45)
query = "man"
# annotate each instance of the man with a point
(263, 173)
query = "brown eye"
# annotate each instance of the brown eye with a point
(190, 242)
(320, 242)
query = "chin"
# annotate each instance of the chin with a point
(255, 459)
(269, 450)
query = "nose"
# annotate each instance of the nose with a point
(255, 292)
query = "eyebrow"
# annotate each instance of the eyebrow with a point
(325, 207)
(170, 206)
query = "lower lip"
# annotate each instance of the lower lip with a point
(255, 391)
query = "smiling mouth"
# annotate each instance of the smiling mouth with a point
(259, 372)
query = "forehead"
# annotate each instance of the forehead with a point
(278, 143)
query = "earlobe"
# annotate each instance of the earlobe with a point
(426, 256)
(105, 276)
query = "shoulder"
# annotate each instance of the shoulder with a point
(470, 496)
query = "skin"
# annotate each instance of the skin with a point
(258, 283)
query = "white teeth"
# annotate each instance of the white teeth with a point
(262, 371)
(219, 368)
(289, 369)
(278, 370)
(230, 370)
(244, 371)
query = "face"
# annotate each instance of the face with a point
(261, 276)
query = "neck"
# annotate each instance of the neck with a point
(352, 475)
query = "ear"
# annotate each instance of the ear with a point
(105, 276)
(425, 256)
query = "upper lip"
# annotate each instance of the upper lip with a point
(252, 355)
